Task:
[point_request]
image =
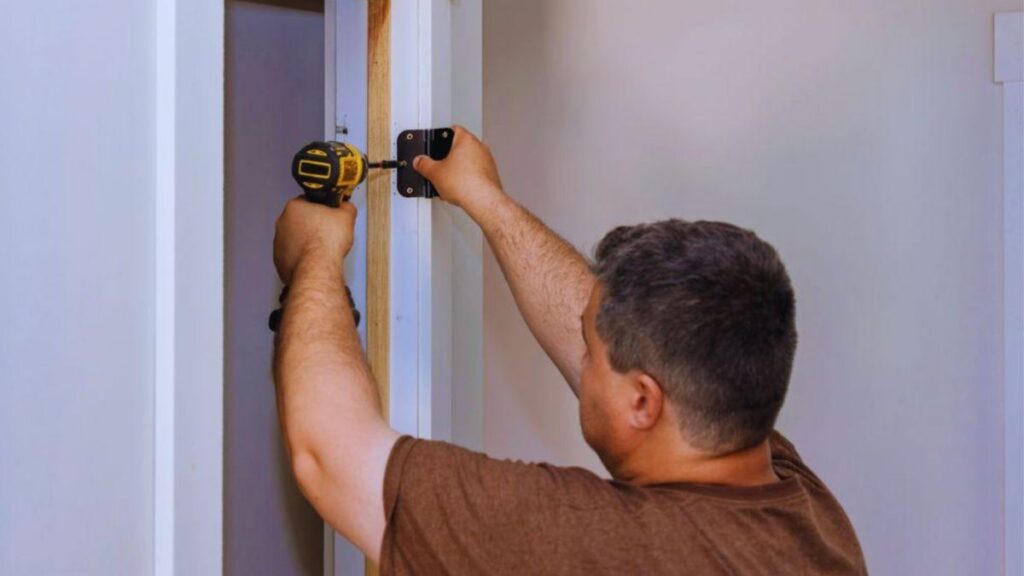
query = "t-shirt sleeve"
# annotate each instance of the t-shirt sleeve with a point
(451, 510)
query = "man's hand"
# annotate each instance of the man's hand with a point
(468, 175)
(306, 228)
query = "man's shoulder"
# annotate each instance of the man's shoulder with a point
(439, 459)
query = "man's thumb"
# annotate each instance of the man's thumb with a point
(424, 165)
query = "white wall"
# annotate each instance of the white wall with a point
(862, 139)
(111, 235)
(274, 105)
(76, 287)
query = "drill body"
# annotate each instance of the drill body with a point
(328, 172)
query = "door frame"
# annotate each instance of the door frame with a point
(392, 66)
(429, 287)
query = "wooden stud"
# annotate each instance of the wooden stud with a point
(378, 203)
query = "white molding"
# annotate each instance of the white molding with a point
(426, 45)
(164, 216)
(189, 283)
(410, 230)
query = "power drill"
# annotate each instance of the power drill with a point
(328, 173)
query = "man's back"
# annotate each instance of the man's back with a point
(453, 511)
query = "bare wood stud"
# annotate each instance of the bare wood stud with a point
(378, 203)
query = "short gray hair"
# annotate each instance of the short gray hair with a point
(708, 310)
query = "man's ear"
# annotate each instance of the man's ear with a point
(647, 402)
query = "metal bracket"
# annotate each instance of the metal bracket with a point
(433, 142)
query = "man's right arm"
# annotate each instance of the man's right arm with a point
(550, 280)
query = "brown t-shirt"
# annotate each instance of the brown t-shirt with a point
(453, 511)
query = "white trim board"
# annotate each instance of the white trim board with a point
(189, 280)
(410, 347)
(163, 408)
(1009, 70)
(436, 340)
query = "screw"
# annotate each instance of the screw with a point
(408, 136)
(409, 191)
(444, 134)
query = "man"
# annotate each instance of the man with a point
(678, 341)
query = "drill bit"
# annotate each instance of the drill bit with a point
(387, 164)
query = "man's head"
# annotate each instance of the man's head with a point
(691, 325)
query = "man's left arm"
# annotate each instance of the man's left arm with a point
(327, 398)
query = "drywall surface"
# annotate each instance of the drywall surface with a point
(862, 139)
(76, 296)
(274, 105)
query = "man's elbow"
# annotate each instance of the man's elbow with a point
(315, 468)
(308, 471)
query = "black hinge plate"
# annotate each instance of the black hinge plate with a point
(435, 143)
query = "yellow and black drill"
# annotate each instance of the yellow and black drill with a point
(329, 172)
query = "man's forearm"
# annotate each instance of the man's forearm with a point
(329, 405)
(317, 350)
(550, 281)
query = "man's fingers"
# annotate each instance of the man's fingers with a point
(424, 165)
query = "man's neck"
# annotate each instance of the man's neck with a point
(679, 463)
